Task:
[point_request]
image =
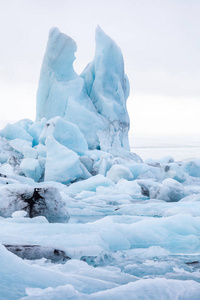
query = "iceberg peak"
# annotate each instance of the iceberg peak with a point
(60, 54)
(102, 39)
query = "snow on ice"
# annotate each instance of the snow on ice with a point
(81, 216)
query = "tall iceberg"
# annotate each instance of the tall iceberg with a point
(96, 100)
(108, 87)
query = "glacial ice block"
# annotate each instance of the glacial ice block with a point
(39, 200)
(118, 172)
(31, 168)
(66, 133)
(15, 131)
(62, 165)
(94, 101)
(192, 167)
(18, 144)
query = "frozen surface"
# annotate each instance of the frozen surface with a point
(119, 241)
(151, 288)
(82, 217)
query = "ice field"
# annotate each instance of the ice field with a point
(86, 212)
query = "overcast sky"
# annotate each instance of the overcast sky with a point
(160, 41)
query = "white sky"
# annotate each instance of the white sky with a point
(159, 39)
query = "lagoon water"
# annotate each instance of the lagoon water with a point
(180, 147)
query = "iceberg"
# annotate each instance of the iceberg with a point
(108, 87)
(94, 101)
(83, 117)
